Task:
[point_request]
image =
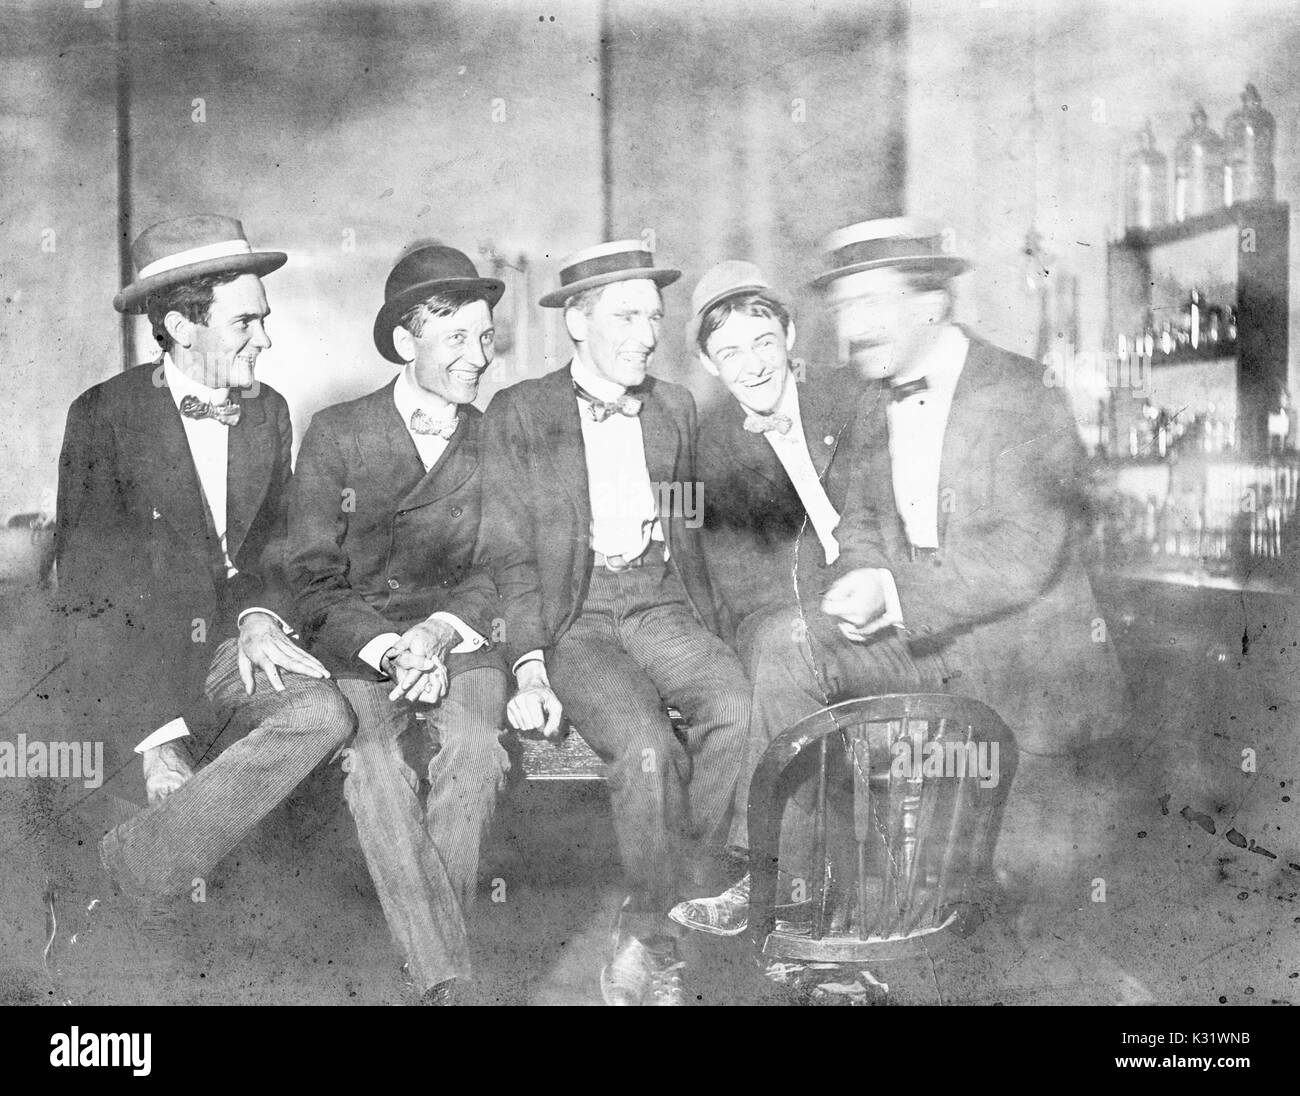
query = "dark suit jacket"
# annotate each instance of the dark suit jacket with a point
(752, 514)
(537, 508)
(375, 543)
(1007, 602)
(140, 571)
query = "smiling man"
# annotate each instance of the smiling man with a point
(172, 482)
(383, 514)
(607, 597)
(767, 457)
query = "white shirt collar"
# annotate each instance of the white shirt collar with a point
(787, 405)
(600, 387)
(943, 364)
(181, 385)
(409, 396)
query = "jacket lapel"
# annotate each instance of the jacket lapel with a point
(752, 450)
(451, 470)
(250, 462)
(561, 430)
(966, 431)
(157, 456)
(386, 447)
(660, 437)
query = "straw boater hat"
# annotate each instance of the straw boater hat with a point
(730, 278)
(419, 275)
(176, 251)
(904, 242)
(618, 261)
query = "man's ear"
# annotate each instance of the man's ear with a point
(180, 329)
(404, 343)
(707, 362)
(789, 336)
(575, 322)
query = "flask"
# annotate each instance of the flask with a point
(1249, 135)
(1146, 184)
(1198, 169)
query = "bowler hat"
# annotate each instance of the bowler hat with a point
(904, 242)
(176, 251)
(417, 277)
(729, 278)
(618, 261)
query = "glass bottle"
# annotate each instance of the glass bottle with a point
(1249, 136)
(1198, 169)
(1146, 184)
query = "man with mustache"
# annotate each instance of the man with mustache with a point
(383, 515)
(172, 483)
(959, 567)
(607, 599)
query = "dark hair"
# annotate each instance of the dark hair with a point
(192, 299)
(748, 304)
(933, 281)
(439, 304)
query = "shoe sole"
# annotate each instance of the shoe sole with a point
(604, 992)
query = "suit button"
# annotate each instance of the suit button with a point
(393, 584)
(829, 439)
(456, 511)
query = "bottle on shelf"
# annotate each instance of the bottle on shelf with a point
(1146, 184)
(1198, 169)
(1249, 137)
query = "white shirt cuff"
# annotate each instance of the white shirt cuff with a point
(285, 628)
(470, 640)
(168, 732)
(531, 656)
(373, 652)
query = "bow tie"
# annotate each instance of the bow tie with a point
(225, 413)
(908, 388)
(424, 423)
(602, 409)
(761, 424)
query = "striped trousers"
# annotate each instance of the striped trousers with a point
(162, 849)
(636, 648)
(423, 856)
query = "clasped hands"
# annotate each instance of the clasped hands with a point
(857, 599)
(417, 663)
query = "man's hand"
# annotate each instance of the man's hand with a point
(264, 646)
(858, 600)
(535, 706)
(166, 768)
(417, 662)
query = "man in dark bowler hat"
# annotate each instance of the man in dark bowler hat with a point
(766, 458)
(172, 483)
(959, 567)
(588, 497)
(383, 515)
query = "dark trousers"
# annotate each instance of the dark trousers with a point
(279, 739)
(636, 648)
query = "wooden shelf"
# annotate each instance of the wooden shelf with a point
(1241, 213)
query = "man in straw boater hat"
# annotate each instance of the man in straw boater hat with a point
(766, 458)
(959, 567)
(172, 483)
(393, 603)
(607, 601)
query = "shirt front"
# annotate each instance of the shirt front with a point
(409, 397)
(209, 442)
(791, 449)
(917, 425)
(624, 510)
